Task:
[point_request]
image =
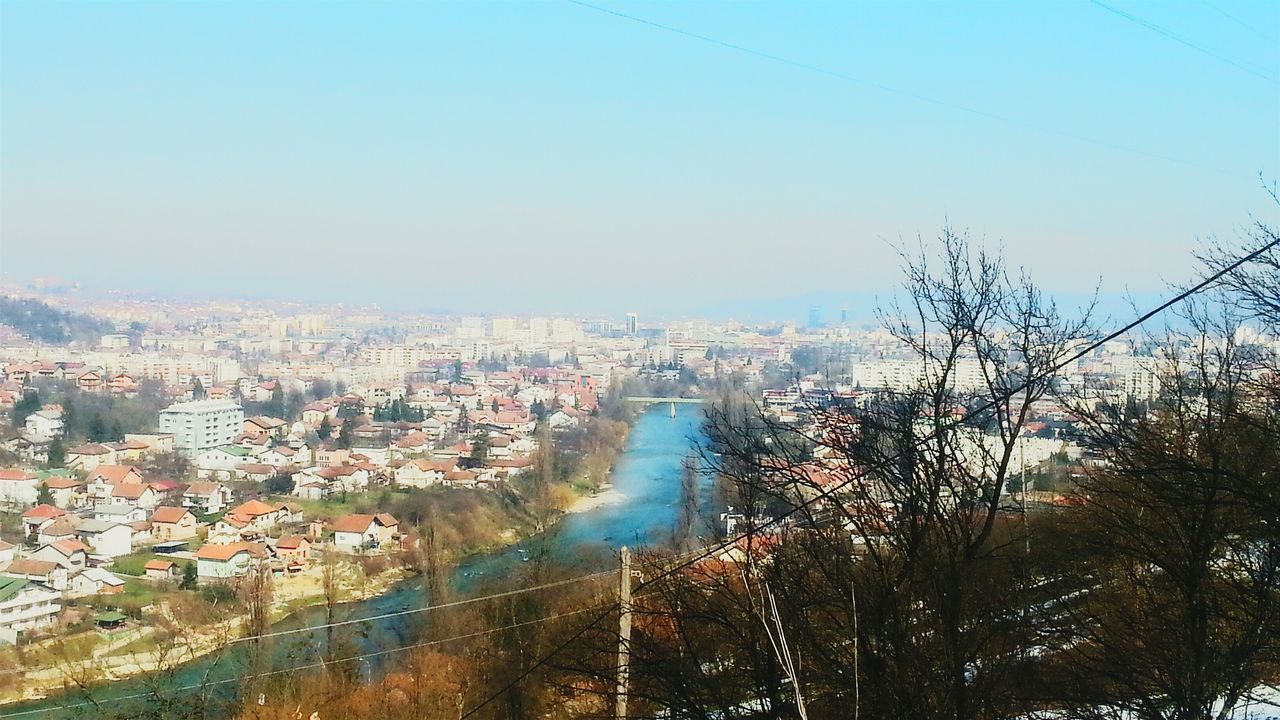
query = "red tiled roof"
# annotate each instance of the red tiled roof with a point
(353, 523)
(221, 552)
(169, 514)
(43, 511)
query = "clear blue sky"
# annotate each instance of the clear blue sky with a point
(549, 156)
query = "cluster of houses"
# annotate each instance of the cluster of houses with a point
(79, 519)
(434, 445)
(68, 547)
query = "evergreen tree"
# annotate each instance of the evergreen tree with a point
(189, 577)
(30, 403)
(57, 453)
(98, 431)
(275, 406)
(326, 428)
(346, 435)
(44, 496)
(197, 390)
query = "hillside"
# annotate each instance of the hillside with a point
(39, 321)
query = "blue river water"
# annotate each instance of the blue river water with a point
(646, 477)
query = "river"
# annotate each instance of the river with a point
(646, 476)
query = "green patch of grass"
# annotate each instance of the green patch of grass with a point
(335, 507)
(136, 563)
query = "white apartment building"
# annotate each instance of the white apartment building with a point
(25, 605)
(202, 424)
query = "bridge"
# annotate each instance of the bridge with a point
(643, 399)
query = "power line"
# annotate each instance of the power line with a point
(311, 666)
(906, 93)
(1238, 21)
(827, 493)
(1179, 39)
(429, 608)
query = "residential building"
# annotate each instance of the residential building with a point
(172, 523)
(18, 487)
(358, 532)
(223, 561)
(202, 424)
(25, 605)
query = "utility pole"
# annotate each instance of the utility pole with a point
(624, 634)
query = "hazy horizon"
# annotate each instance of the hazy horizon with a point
(665, 158)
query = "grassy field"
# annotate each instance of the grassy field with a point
(136, 563)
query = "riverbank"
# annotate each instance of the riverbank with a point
(93, 658)
(647, 472)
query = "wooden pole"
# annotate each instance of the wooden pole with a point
(624, 634)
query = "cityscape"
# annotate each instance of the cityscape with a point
(630, 360)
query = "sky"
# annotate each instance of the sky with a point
(675, 159)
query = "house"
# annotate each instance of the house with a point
(70, 554)
(282, 456)
(139, 496)
(421, 473)
(25, 606)
(94, 581)
(39, 517)
(106, 537)
(90, 381)
(29, 448)
(256, 472)
(64, 490)
(90, 456)
(130, 450)
(293, 549)
(63, 528)
(258, 514)
(223, 561)
(46, 572)
(18, 487)
(112, 474)
(44, 423)
(315, 413)
(122, 384)
(172, 523)
(160, 569)
(354, 533)
(155, 442)
(7, 550)
(119, 513)
(206, 498)
(220, 462)
(350, 478)
(262, 425)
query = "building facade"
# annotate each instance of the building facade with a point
(202, 424)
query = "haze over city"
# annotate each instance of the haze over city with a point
(674, 158)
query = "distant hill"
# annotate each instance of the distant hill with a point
(39, 321)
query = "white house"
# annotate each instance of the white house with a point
(223, 561)
(221, 462)
(206, 497)
(25, 605)
(105, 537)
(45, 423)
(93, 581)
(18, 487)
(356, 532)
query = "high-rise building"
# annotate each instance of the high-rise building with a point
(203, 424)
(633, 324)
(815, 316)
(539, 329)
